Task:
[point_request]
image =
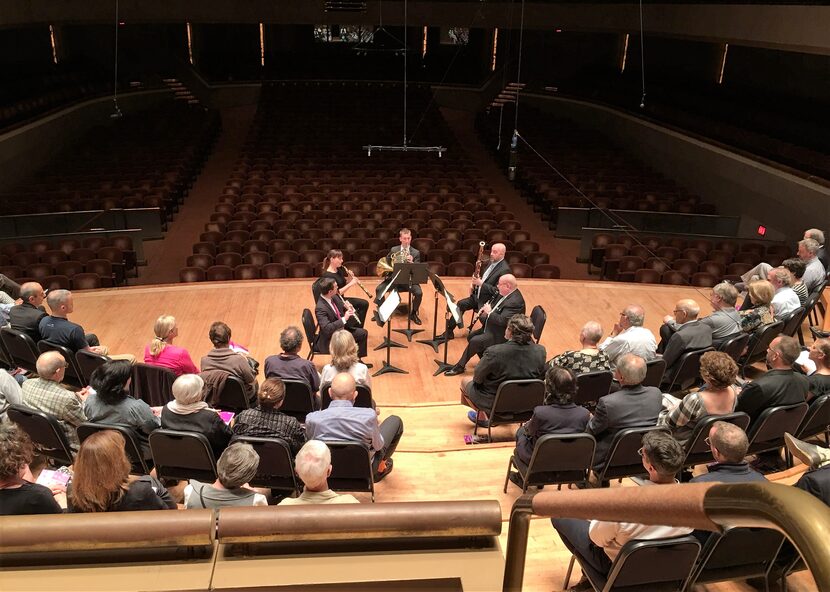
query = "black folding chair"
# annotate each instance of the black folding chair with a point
(767, 431)
(661, 565)
(276, 465)
(816, 421)
(697, 451)
(232, 397)
(363, 398)
(73, 375)
(538, 318)
(45, 431)
(182, 455)
(514, 403)
(351, 467)
(89, 362)
(655, 369)
(688, 370)
(591, 386)
(793, 321)
(557, 459)
(131, 445)
(152, 384)
(758, 344)
(734, 346)
(299, 399)
(623, 458)
(311, 335)
(21, 348)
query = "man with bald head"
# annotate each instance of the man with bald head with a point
(58, 329)
(483, 288)
(691, 334)
(495, 314)
(629, 336)
(343, 421)
(25, 317)
(46, 394)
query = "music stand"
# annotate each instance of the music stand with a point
(409, 274)
(385, 311)
(439, 289)
(451, 312)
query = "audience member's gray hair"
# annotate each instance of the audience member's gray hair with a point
(635, 314)
(57, 298)
(187, 389)
(291, 339)
(521, 329)
(313, 462)
(787, 347)
(591, 332)
(48, 363)
(632, 369)
(730, 440)
(237, 465)
(810, 245)
(815, 234)
(726, 292)
(29, 289)
(782, 274)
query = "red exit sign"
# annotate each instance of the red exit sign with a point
(762, 230)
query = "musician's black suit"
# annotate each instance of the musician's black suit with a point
(417, 293)
(494, 325)
(490, 275)
(329, 322)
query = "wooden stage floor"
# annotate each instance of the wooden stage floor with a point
(432, 461)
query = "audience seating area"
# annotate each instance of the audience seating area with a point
(679, 261)
(94, 262)
(143, 160)
(296, 193)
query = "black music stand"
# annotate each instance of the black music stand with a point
(450, 312)
(439, 289)
(385, 315)
(410, 274)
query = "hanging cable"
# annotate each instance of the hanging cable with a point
(117, 113)
(505, 67)
(642, 59)
(405, 51)
(519, 71)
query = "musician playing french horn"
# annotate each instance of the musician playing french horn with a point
(333, 268)
(404, 253)
(484, 285)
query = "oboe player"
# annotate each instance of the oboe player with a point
(483, 288)
(333, 268)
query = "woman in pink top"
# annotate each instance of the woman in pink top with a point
(162, 352)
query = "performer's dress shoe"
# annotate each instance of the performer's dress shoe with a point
(454, 371)
(445, 336)
(415, 318)
(367, 364)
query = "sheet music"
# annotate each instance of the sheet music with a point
(805, 362)
(389, 285)
(456, 315)
(389, 305)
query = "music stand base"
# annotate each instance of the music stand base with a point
(433, 343)
(408, 332)
(442, 367)
(386, 368)
(389, 343)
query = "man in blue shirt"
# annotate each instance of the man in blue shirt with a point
(729, 444)
(343, 421)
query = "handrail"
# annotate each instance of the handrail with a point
(801, 517)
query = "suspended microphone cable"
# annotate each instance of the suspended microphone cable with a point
(519, 71)
(642, 60)
(505, 67)
(117, 113)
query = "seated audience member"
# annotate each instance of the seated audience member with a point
(9, 286)
(101, 480)
(222, 357)
(724, 321)
(56, 328)
(779, 386)
(816, 271)
(111, 403)
(760, 293)
(46, 394)
(235, 468)
(689, 334)
(816, 480)
(821, 254)
(266, 420)
(343, 421)
(6, 304)
(518, 358)
(633, 406)
(559, 414)
(18, 493)
(718, 396)
(10, 392)
(288, 365)
(797, 267)
(313, 466)
(598, 543)
(629, 336)
(343, 350)
(785, 300)
(26, 316)
(819, 381)
(162, 352)
(588, 358)
(729, 444)
(333, 315)
(188, 412)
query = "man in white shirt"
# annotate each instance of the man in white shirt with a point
(629, 336)
(785, 300)
(313, 466)
(598, 543)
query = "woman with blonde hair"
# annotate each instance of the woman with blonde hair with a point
(162, 352)
(343, 350)
(188, 412)
(101, 480)
(761, 293)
